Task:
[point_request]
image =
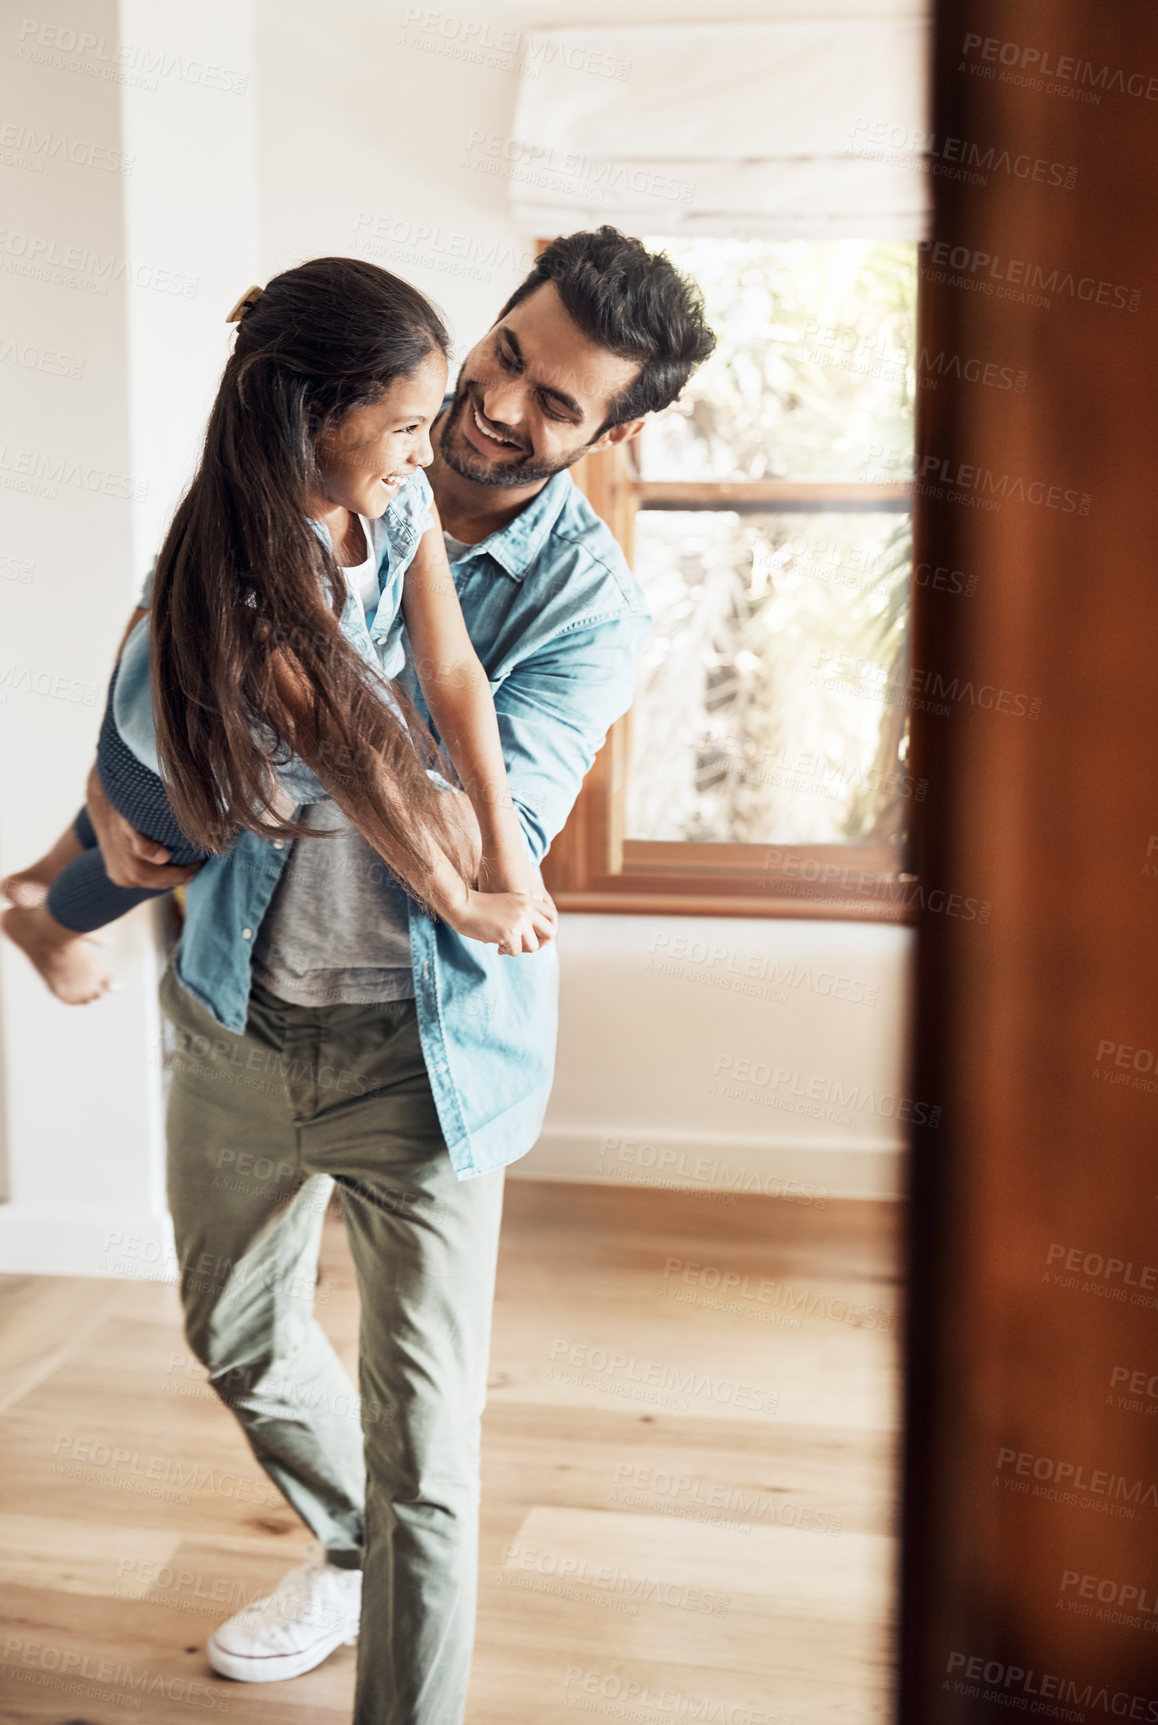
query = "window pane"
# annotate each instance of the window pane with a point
(813, 370)
(771, 701)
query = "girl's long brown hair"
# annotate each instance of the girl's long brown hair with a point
(247, 600)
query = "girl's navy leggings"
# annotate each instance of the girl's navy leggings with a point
(82, 897)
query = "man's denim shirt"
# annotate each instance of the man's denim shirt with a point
(558, 621)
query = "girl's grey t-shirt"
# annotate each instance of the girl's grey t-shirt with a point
(337, 930)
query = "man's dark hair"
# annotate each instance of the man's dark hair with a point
(633, 302)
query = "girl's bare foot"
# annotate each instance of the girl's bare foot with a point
(69, 963)
(29, 886)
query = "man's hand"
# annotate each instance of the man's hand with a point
(130, 858)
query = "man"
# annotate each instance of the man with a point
(338, 1032)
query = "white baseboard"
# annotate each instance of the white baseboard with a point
(810, 1172)
(44, 1243)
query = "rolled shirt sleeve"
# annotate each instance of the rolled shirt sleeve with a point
(554, 712)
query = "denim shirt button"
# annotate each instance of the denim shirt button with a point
(247, 934)
(279, 844)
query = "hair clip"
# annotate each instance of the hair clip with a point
(246, 303)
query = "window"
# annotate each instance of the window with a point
(763, 767)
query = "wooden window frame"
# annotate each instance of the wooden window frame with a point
(592, 866)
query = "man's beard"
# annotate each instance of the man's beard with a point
(470, 465)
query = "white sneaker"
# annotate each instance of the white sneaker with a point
(316, 1608)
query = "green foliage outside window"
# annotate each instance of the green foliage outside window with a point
(771, 701)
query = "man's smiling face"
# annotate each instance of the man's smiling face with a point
(532, 396)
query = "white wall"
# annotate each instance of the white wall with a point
(168, 243)
(79, 1120)
(262, 133)
(727, 1053)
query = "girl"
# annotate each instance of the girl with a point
(255, 685)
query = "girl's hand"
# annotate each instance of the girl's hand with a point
(515, 922)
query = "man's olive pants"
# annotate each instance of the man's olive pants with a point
(258, 1125)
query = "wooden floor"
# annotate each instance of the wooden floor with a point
(688, 1493)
